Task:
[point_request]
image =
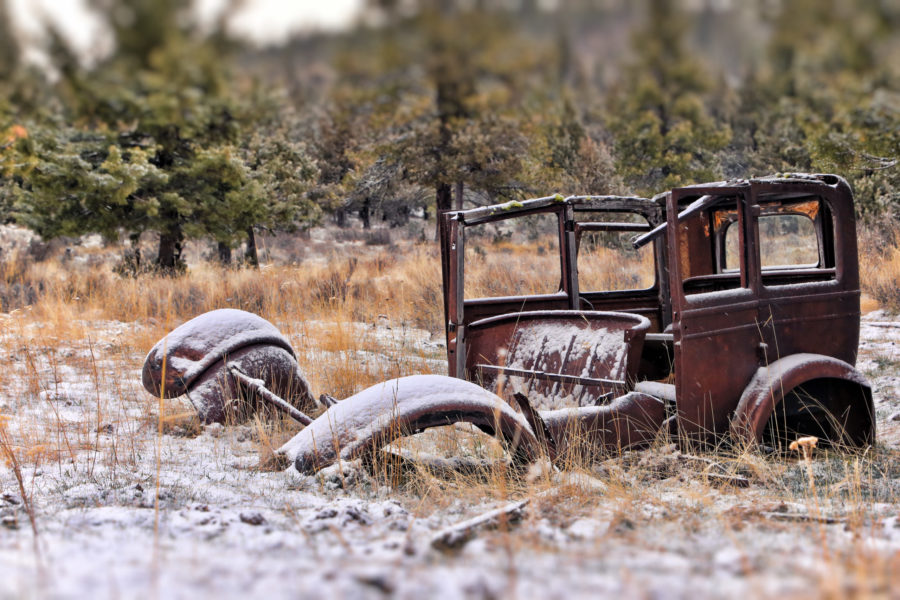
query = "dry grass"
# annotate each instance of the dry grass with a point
(880, 268)
(336, 314)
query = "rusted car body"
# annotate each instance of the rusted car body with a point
(749, 330)
(723, 311)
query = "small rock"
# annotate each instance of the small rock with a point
(341, 475)
(242, 434)
(623, 524)
(252, 518)
(11, 498)
(328, 513)
(9, 521)
(731, 560)
(894, 417)
(538, 470)
(215, 429)
(354, 514)
(379, 580)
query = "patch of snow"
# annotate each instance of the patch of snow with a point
(130, 513)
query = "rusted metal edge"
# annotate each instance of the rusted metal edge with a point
(475, 215)
(551, 376)
(482, 214)
(695, 207)
(538, 425)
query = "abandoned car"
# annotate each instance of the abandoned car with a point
(722, 312)
(745, 320)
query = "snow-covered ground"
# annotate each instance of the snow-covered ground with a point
(124, 511)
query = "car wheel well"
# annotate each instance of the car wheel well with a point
(837, 411)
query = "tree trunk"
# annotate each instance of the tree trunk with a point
(443, 199)
(364, 214)
(224, 254)
(169, 256)
(135, 239)
(251, 255)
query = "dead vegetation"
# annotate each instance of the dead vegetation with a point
(74, 417)
(880, 267)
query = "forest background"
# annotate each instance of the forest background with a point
(186, 132)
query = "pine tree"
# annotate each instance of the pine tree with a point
(664, 133)
(835, 66)
(160, 146)
(83, 182)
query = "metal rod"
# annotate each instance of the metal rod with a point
(259, 386)
(693, 208)
(550, 376)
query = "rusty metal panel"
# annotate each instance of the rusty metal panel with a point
(815, 310)
(194, 360)
(601, 349)
(716, 340)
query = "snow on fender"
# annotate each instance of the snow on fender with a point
(387, 411)
(192, 360)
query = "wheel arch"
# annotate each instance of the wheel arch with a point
(846, 396)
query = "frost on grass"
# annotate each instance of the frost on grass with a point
(124, 507)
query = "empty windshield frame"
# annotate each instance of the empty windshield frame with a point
(606, 260)
(525, 238)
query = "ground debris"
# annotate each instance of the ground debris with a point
(455, 536)
(346, 532)
(252, 518)
(727, 480)
(803, 517)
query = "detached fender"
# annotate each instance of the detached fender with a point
(771, 384)
(387, 411)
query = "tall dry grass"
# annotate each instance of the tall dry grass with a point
(879, 266)
(405, 284)
(335, 312)
(401, 281)
(321, 303)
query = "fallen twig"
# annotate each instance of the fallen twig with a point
(734, 480)
(779, 516)
(885, 324)
(456, 535)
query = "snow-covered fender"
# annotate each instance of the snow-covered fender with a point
(850, 396)
(387, 411)
(192, 360)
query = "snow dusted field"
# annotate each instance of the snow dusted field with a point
(126, 508)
